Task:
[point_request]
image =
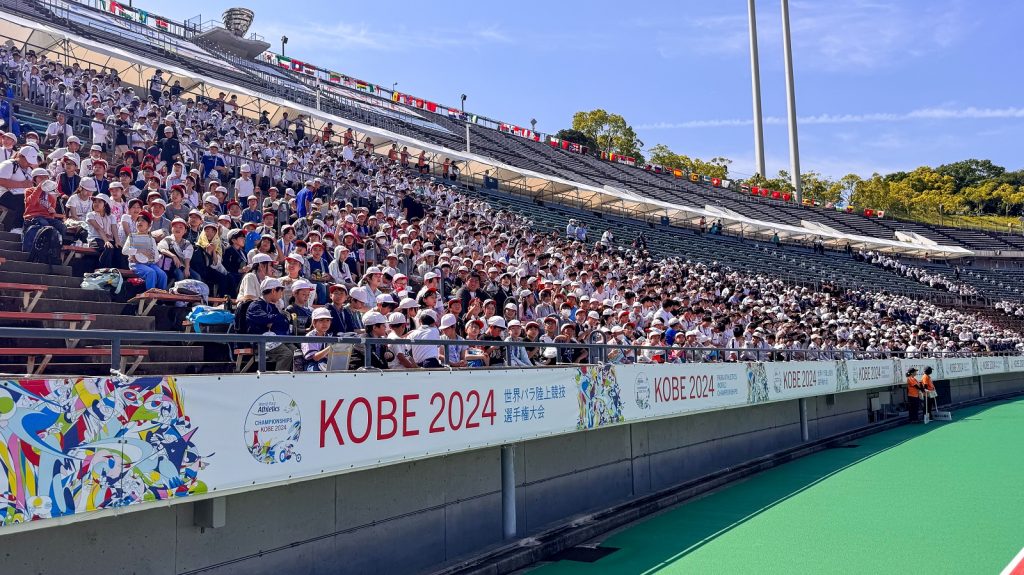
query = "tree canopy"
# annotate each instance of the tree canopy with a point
(610, 132)
(715, 167)
(969, 187)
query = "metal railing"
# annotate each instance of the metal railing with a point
(598, 353)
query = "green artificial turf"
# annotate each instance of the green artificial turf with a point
(941, 498)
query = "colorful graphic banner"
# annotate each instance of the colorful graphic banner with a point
(71, 446)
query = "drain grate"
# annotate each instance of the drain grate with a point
(583, 554)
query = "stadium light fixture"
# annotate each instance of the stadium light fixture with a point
(284, 40)
(533, 124)
(463, 103)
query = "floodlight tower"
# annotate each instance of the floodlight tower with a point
(755, 88)
(794, 148)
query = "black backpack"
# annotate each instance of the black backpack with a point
(46, 246)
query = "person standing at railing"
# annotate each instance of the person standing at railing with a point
(156, 85)
(100, 130)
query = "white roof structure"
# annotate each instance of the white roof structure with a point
(67, 47)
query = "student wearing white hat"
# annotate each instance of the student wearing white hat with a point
(426, 356)
(315, 353)
(263, 317)
(376, 327)
(15, 178)
(41, 202)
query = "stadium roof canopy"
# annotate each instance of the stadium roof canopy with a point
(67, 47)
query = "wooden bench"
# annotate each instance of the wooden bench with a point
(150, 298)
(30, 293)
(73, 319)
(48, 353)
(71, 251)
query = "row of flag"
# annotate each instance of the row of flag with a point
(135, 14)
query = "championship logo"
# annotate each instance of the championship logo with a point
(272, 428)
(643, 391)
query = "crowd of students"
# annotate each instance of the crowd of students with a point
(316, 234)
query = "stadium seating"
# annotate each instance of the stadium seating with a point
(852, 303)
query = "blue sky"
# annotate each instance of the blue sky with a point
(881, 86)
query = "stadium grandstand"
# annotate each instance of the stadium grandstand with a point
(178, 178)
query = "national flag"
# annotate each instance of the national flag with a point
(361, 85)
(285, 63)
(308, 69)
(677, 173)
(162, 24)
(116, 9)
(716, 182)
(745, 188)
(297, 66)
(453, 112)
(869, 212)
(726, 183)
(880, 213)
(431, 107)
(334, 78)
(786, 196)
(142, 16)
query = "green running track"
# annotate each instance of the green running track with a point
(947, 497)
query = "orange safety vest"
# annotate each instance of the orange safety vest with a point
(927, 381)
(912, 384)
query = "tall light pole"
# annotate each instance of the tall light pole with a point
(794, 147)
(755, 88)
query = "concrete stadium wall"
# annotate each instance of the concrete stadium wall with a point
(414, 516)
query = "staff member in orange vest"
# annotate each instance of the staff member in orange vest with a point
(931, 404)
(914, 393)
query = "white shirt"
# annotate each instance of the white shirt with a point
(421, 353)
(10, 170)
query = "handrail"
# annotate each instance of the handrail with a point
(692, 354)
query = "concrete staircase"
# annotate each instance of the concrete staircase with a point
(64, 294)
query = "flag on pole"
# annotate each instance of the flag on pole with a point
(334, 78)
(162, 24)
(116, 9)
(285, 63)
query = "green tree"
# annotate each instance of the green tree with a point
(611, 132)
(578, 137)
(968, 173)
(661, 155)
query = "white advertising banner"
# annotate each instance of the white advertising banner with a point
(673, 389)
(990, 365)
(920, 364)
(956, 367)
(793, 379)
(1015, 363)
(71, 446)
(868, 373)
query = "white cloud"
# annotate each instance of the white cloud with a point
(834, 36)
(936, 114)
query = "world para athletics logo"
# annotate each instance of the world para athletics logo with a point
(643, 391)
(272, 428)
